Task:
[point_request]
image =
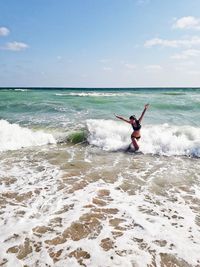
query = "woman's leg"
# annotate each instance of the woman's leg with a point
(134, 142)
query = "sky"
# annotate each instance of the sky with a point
(100, 43)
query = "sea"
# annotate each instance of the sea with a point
(72, 195)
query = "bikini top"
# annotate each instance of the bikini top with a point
(136, 128)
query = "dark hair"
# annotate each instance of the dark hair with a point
(132, 117)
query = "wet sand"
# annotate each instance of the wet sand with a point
(80, 206)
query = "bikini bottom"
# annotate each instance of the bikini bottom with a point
(137, 138)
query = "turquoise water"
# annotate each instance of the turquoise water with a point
(70, 193)
(176, 112)
(54, 107)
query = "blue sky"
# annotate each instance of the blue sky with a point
(100, 43)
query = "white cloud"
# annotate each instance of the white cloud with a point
(187, 23)
(130, 66)
(161, 42)
(104, 60)
(187, 54)
(192, 41)
(107, 68)
(15, 46)
(84, 75)
(4, 31)
(184, 65)
(194, 72)
(154, 68)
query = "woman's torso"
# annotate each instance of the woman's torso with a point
(136, 128)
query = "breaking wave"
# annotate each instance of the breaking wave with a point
(161, 139)
(13, 137)
(94, 94)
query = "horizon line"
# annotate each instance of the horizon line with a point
(74, 88)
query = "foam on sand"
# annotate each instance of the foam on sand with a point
(121, 212)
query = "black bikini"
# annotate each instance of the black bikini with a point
(136, 128)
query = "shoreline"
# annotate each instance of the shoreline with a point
(79, 207)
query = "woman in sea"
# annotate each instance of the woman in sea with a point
(136, 124)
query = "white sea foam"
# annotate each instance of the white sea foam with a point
(21, 90)
(138, 223)
(145, 218)
(30, 173)
(95, 94)
(156, 139)
(13, 136)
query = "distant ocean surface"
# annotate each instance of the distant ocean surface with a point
(70, 194)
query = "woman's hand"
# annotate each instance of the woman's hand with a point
(146, 106)
(116, 116)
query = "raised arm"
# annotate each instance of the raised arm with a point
(142, 115)
(121, 118)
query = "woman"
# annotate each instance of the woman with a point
(136, 124)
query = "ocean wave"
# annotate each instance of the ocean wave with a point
(161, 139)
(94, 94)
(77, 137)
(13, 137)
(21, 90)
(174, 93)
